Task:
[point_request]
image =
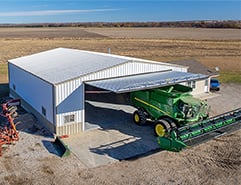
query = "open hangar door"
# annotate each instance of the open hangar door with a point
(104, 109)
(107, 101)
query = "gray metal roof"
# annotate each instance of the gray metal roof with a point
(195, 66)
(63, 64)
(145, 81)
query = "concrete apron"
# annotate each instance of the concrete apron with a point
(113, 136)
(100, 147)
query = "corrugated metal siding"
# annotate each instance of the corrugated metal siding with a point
(130, 68)
(144, 81)
(65, 90)
(33, 90)
(69, 100)
(39, 116)
(200, 87)
(78, 117)
(69, 129)
(61, 64)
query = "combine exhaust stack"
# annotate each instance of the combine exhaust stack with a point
(201, 131)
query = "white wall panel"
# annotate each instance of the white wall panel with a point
(64, 90)
(200, 87)
(130, 68)
(70, 94)
(69, 100)
(33, 90)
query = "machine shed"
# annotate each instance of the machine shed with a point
(51, 84)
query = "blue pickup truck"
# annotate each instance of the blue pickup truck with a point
(214, 84)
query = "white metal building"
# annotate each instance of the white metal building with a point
(201, 86)
(51, 84)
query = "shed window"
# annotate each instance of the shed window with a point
(69, 118)
(192, 84)
(43, 111)
(206, 82)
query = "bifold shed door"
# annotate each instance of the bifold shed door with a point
(144, 81)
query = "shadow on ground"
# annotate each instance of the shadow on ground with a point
(126, 140)
(4, 90)
(26, 122)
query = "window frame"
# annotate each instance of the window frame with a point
(44, 111)
(69, 118)
(192, 84)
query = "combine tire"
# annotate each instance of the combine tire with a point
(171, 123)
(162, 127)
(139, 117)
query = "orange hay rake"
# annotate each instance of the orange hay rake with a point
(9, 134)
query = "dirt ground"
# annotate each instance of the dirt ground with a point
(33, 160)
(169, 33)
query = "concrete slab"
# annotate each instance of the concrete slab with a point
(117, 137)
(112, 135)
(205, 96)
(104, 146)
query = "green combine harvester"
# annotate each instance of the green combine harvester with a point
(180, 119)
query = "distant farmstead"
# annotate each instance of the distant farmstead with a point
(52, 84)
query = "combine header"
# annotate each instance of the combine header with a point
(9, 134)
(190, 135)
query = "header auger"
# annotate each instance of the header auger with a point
(190, 135)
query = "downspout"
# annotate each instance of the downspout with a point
(83, 111)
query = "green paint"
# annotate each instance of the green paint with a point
(176, 142)
(173, 101)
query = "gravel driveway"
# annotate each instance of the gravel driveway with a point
(33, 160)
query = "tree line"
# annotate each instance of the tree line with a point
(177, 24)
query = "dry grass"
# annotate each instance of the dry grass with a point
(223, 53)
(147, 33)
(169, 33)
(3, 73)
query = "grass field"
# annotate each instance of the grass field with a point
(222, 50)
(3, 72)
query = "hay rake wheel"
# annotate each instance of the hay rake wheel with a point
(9, 135)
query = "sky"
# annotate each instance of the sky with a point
(49, 11)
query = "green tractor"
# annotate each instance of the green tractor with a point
(169, 107)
